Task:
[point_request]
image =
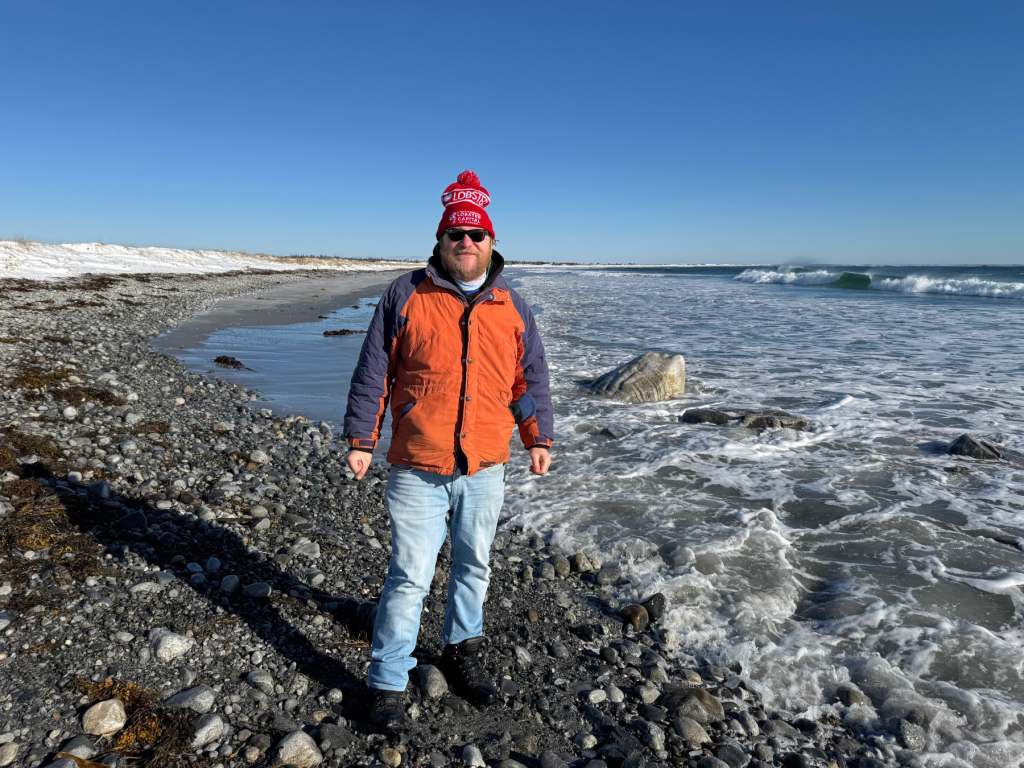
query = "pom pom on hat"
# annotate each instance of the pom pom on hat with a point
(464, 201)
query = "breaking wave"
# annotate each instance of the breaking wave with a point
(911, 283)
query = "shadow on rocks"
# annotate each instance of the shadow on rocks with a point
(120, 524)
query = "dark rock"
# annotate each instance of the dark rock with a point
(773, 420)
(655, 606)
(974, 448)
(705, 416)
(549, 759)
(341, 332)
(730, 752)
(849, 694)
(636, 616)
(910, 735)
(227, 361)
(652, 712)
(780, 729)
(614, 431)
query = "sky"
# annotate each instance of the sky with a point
(677, 132)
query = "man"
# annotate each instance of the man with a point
(458, 354)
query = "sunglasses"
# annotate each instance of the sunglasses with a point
(456, 235)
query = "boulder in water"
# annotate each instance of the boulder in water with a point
(706, 416)
(975, 448)
(648, 378)
(772, 420)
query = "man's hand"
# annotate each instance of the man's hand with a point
(540, 460)
(359, 462)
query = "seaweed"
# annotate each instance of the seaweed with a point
(152, 426)
(34, 377)
(77, 395)
(153, 735)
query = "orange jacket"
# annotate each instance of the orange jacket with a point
(460, 374)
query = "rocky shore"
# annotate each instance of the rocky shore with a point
(186, 579)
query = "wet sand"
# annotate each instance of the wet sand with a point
(284, 303)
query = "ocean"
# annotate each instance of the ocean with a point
(857, 550)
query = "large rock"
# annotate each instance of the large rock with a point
(298, 749)
(705, 416)
(199, 699)
(104, 718)
(645, 379)
(762, 420)
(974, 448)
(168, 646)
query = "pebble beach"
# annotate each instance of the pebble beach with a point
(187, 578)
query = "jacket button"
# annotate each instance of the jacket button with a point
(468, 398)
(463, 436)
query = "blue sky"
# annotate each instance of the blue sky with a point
(653, 132)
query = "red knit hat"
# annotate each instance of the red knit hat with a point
(464, 201)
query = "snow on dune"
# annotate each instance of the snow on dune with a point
(50, 261)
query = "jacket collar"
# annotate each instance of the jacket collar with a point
(441, 278)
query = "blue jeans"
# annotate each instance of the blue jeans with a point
(419, 505)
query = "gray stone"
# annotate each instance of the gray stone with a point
(701, 706)
(550, 759)
(730, 752)
(229, 584)
(199, 699)
(259, 457)
(168, 646)
(79, 746)
(391, 757)
(690, 731)
(974, 448)
(595, 696)
(258, 589)
(431, 681)
(773, 420)
(647, 378)
(615, 694)
(305, 548)
(472, 757)
(647, 693)
(561, 565)
(104, 718)
(581, 563)
(911, 736)
(206, 730)
(261, 680)
(9, 753)
(705, 416)
(651, 735)
(850, 695)
(298, 749)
